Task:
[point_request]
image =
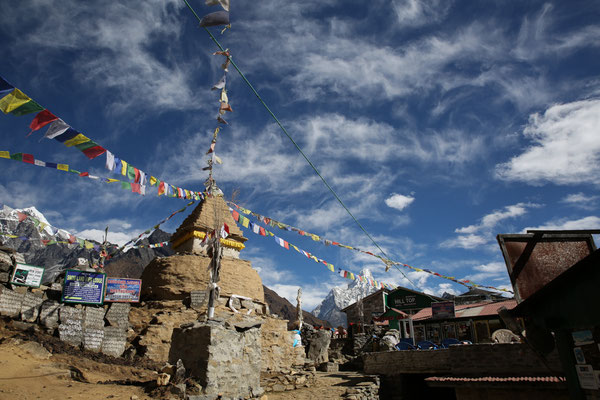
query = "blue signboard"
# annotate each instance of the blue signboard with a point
(123, 290)
(83, 287)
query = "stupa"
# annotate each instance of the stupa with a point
(176, 277)
(173, 321)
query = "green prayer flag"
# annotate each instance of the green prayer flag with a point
(130, 172)
(126, 185)
(27, 108)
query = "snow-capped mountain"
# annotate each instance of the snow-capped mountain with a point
(340, 298)
(31, 232)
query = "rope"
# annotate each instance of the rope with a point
(296, 145)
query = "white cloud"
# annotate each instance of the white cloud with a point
(491, 220)
(419, 12)
(119, 238)
(581, 200)
(590, 222)
(111, 49)
(477, 235)
(465, 241)
(566, 148)
(488, 271)
(399, 201)
(312, 295)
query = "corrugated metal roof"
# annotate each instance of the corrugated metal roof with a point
(552, 379)
(470, 310)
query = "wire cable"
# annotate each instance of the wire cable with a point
(296, 145)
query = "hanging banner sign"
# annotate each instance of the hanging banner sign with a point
(442, 310)
(83, 287)
(27, 275)
(123, 290)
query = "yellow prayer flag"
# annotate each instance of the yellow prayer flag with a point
(88, 245)
(330, 267)
(13, 100)
(4, 154)
(245, 222)
(63, 167)
(224, 98)
(110, 180)
(152, 181)
(80, 138)
(315, 238)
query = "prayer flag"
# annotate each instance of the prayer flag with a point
(28, 108)
(22, 217)
(67, 134)
(94, 151)
(13, 100)
(224, 231)
(223, 3)
(4, 154)
(5, 87)
(110, 161)
(63, 167)
(224, 98)
(221, 120)
(261, 231)
(225, 107)
(126, 185)
(42, 119)
(236, 215)
(135, 187)
(330, 267)
(83, 174)
(153, 181)
(137, 175)
(220, 84)
(215, 19)
(16, 156)
(130, 172)
(161, 188)
(245, 222)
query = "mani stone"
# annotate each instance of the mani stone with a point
(70, 330)
(93, 318)
(10, 303)
(30, 307)
(68, 313)
(249, 304)
(114, 342)
(92, 339)
(49, 313)
(118, 315)
(198, 298)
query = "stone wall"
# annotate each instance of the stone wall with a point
(278, 353)
(175, 277)
(96, 328)
(226, 359)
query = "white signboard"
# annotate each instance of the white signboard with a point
(27, 275)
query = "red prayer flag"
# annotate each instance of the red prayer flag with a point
(28, 158)
(42, 119)
(262, 232)
(72, 239)
(22, 216)
(135, 187)
(94, 152)
(236, 215)
(137, 175)
(161, 188)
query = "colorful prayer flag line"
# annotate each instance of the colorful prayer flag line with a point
(133, 187)
(271, 222)
(259, 230)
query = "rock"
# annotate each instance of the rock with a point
(329, 367)
(318, 347)
(179, 371)
(163, 379)
(36, 350)
(278, 387)
(179, 390)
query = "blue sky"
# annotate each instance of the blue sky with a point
(439, 123)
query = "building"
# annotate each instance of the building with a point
(473, 322)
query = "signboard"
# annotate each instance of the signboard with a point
(442, 310)
(27, 275)
(83, 287)
(123, 290)
(406, 301)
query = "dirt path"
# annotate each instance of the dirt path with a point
(329, 386)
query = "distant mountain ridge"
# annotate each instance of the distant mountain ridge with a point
(58, 257)
(339, 298)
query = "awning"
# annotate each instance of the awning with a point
(392, 313)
